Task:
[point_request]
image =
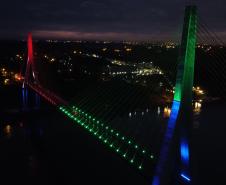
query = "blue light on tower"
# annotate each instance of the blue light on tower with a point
(166, 142)
(184, 151)
(185, 177)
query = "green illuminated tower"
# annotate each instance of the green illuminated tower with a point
(185, 76)
(175, 151)
(184, 93)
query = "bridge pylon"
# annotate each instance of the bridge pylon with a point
(30, 74)
(184, 94)
(175, 154)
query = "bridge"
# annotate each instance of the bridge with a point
(175, 151)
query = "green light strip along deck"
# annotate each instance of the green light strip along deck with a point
(125, 147)
(109, 131)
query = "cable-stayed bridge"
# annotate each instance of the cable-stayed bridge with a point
(101, 113)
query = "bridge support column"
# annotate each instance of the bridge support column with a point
(175, 151)
(184, 92)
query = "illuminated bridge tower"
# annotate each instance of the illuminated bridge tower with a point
(175, 151)
(30, 74)
(184, 93)
(30, 69)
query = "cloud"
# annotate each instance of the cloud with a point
(75, 35)
(144, 17)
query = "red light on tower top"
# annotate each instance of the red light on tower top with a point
(30, 58)
(30, 48)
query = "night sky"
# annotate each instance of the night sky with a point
(104, 19)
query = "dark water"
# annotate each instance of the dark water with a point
(210, 145)
(41, 146)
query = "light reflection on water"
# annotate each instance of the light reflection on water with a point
(21, 124)
(197, 109)
(8, 131)
(166, 112)
(21, 129)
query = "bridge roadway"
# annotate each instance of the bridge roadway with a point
(47, 95)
